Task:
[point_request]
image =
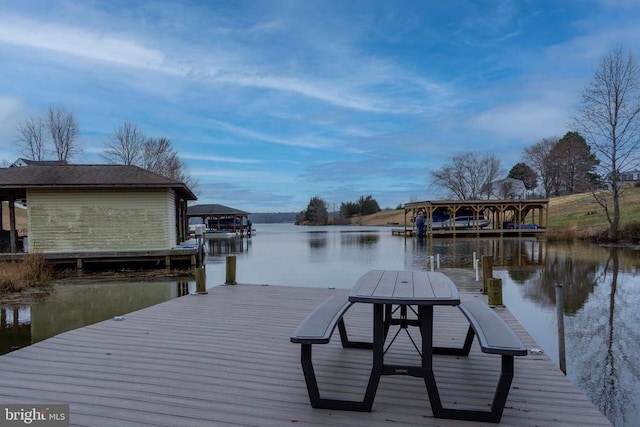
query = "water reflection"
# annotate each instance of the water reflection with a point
(317, 240)
(359, 239)
(601, 293)
(226, 245)
(458, 253)
(15, 329)
(69, 307)
(607, 364)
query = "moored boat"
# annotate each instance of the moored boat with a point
(463, 220)
(219, 233)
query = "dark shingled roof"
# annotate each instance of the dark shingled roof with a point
(213, 209)
(87, 176)
(39, 162)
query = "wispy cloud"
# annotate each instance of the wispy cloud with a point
(363, 84)
(218, 159)
(248, 177)
(248, 133)
(10, 110)
(526, 121)
(83, 44)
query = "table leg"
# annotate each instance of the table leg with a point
(426, 329)
(378, 354)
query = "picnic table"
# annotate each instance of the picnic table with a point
(394, 296)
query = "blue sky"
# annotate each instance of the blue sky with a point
(271, 103)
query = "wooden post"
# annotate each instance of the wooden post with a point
(562, 359)
(494, 292)
(13, 233)
(231, 270)
(201, 281)
(487, 271)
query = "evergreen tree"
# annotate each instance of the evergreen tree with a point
(524, 173)
(315, 214)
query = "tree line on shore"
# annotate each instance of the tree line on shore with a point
(317, 212)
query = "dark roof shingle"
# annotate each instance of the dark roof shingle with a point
(213, 209)
(88, 176)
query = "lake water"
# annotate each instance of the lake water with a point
(601, 293)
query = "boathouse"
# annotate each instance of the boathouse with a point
(481, 217)
(220, 218)
(107, 212)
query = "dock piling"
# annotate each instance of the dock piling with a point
(562, 359)
(487, 271)
(231, 270)
(494, 292)
(201, 280)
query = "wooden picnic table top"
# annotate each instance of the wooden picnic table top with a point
(405, 287)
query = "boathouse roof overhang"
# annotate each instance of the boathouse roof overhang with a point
(15, 181)
(213, 210)
(479, 203)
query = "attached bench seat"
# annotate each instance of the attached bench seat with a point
(495, 336)
(317, 328)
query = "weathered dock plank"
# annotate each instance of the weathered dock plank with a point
(224, 358)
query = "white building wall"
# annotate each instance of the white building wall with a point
(171, 215)
(99, 220)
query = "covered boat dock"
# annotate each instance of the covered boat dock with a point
(484, 217)
(220, 218)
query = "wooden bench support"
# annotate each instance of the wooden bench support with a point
(494, 337)
(317, 328)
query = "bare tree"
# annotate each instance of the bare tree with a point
(128, 145)
(468, 176)
(32, 138)
(539, 157)
(159, 156)
(125, 145)
(63, 129)
(609, 118)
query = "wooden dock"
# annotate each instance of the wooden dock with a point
(224, 358)
(184, 255)
(485, 232)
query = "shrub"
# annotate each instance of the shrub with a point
(631, 232)
(31, 271)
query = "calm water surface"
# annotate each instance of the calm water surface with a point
(601, 293)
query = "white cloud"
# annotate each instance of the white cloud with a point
(527, 121)
(9, 107)
(82, 43)
(221, 159)
(242, 176)
(11, 110)
(361, 84)
(248, 133)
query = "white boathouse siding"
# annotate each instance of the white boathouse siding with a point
(101, 220)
